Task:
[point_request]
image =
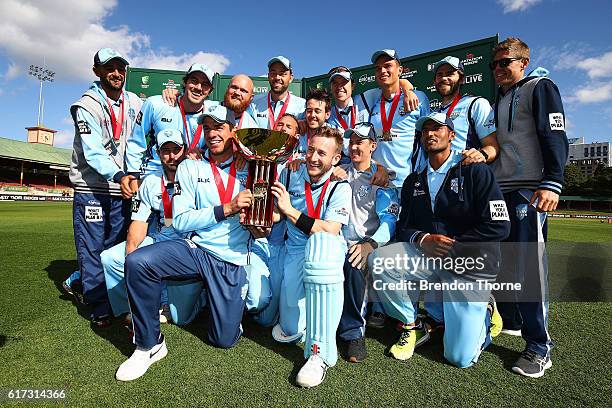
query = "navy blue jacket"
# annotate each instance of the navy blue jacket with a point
(469, 207)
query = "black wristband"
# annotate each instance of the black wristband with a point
(486, 156)
(304, 223)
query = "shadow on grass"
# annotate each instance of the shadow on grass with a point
(256, 333)
(117, 334)
(507, 356)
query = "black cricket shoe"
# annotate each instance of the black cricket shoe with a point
(355, 350)
(531, 364)
(101, 322)
(376, 320)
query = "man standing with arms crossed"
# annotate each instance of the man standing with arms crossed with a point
(103, 120)
(533, 151)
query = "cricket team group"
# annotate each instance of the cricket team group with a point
(161, 196)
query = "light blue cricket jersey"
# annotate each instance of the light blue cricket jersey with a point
(155, 115)
(149, 200)
(335, 206)
(395, 154)
(346, 114)
(435, 178)
(247, 121)
(259, 108)
(482, 115)
(194, 210)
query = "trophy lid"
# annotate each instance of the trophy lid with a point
(256, 143)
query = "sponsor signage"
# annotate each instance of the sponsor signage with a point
(15, 197)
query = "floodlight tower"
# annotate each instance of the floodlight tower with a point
(43, 74)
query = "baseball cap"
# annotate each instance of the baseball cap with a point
(219, 114)
(283, 60)
(344, 74)
(436, 117)
(452, 61)
(387, 52)
(169, 135)
(106, 54)
(364, 130)
(203, 68)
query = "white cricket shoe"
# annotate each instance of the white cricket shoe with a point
(312, 373)
(140, 361)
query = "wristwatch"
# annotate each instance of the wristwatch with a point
(371, 241)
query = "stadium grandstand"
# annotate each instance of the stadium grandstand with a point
(34, 170)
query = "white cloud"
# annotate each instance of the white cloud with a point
(67, 33)
(593, 93)
(64, 138)
(517, 5)
(597, 67)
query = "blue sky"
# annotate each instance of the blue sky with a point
(571, 39)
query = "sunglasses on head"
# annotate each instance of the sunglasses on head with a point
(338, 69)
(504, 62)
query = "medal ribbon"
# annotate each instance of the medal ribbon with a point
(452, 105)
(386, 124)
(117, 125)
(166, 200)
(198, 133)
(343, 122)
(225, 194)
(271, 119)
(312, 212)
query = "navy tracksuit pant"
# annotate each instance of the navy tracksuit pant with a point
(525, 261)
(225, 284)
(100, 222)
(352, 322)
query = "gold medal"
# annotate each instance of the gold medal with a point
(167, 222)
(386, 136)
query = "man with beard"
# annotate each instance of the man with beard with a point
(238, 97)
(268, 108)
(103, 119)
(211, 196)
(156, 115)
(151, 220)
(471, 115)
(475, 138)
(311, 294)
(449, 211)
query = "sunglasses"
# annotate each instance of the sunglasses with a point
(504, 62)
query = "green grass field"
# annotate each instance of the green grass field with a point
(45, 343)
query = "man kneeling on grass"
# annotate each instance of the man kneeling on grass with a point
(448, 211)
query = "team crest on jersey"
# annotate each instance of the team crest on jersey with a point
(363, 191)
(343, 212)
(394, 209)
(131, 113)
(454, 185)
(139, 118)
(242, 181)
(135, 205)
(521, 211)
(83, 127)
